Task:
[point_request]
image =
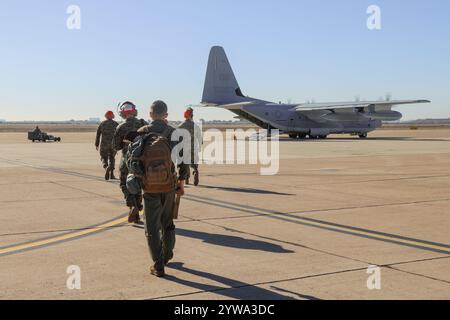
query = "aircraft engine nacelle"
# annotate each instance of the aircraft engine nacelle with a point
(383, 115)
(335, 116)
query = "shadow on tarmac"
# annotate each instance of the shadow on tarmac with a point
(233, 289)
(232, 241)
(245, 190)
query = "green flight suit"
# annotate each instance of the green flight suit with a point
(158, 208)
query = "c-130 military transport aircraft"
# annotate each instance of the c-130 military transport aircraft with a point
(315, 120)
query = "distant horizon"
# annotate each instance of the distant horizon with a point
(296, 50)
(79, 121)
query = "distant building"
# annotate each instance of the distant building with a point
(94, 120)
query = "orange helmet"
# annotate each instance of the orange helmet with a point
(109, 115)
(188, 113)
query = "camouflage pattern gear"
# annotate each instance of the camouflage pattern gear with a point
(104, 141)
(108, 158)
(130, 125)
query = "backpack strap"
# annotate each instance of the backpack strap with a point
(166, 132)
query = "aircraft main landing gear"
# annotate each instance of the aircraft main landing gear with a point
(297, 136)
(362, 135)
(318, 137)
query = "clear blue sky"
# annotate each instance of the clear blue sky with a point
(147, 50)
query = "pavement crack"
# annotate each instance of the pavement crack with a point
(378, 180)
(418, 275)
(381, 205)
(84, 191)
(47, 199)
(417, 260)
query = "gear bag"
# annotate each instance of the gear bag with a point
(159, 174)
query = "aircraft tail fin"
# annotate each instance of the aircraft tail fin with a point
(221, 86)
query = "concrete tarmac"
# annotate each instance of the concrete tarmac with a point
(337, 207)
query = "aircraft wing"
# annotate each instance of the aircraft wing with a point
(354, 104)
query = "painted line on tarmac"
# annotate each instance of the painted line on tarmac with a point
(69, 236)
(330, 226)
(325, 225)
(344, 229)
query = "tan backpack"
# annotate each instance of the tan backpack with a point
(159, 169)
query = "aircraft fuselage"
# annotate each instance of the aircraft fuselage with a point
(314, 123)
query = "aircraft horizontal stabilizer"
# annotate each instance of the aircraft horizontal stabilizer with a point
(230, 106)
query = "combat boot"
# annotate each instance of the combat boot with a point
(156, 272)
(196, 178)
(138, 219)
(107, 173)
(133, 216)
(112, 176)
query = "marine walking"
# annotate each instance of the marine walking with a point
(194, 145)
(104, 144)
(153, 169)
(122, 138)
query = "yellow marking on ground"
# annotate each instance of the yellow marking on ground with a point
(63, 237)
(68, 236)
